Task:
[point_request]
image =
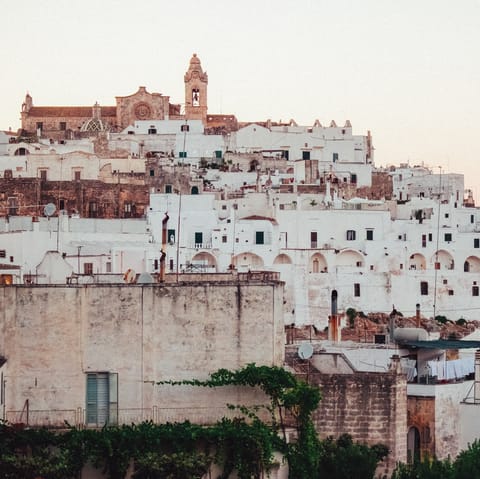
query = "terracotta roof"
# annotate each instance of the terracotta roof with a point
(71, 111)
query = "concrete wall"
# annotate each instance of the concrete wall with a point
(51, 336)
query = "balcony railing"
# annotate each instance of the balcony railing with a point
(62, 418)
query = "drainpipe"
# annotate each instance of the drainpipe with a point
(417, 315)
(476, 385)
(163, 253)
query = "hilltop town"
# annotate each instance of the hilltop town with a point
(150, 240)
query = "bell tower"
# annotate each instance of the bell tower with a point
(196, 82)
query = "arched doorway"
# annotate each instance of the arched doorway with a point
(318, 264)
(244, 262)
(203, 263)
(413, 445)
(194, 190)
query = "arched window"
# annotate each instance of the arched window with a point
(466, 267)
(194, 190)
(413, 445)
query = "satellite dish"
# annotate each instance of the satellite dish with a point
(130, 276)
(145, 278)
(305, 351)
(49, 209)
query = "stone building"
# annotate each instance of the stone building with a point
(67, 122)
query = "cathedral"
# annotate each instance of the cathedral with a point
(69, 122)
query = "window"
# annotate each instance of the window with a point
(472, 218)
(305, 155)
(194, 190)
(152, 172)
(63, 125)
(335, 157)
(313, 239)
(224, 207)
(356, 289)
(476, 242)
(77, 175)
(43, 175)
(184, 127)
(351, 235)
(195, 97)
(475, 290)
(152, 130)
(450, 292)
(92, 209)
(61, 204)
(430, 237)
(218, 154)
(198, 238)
(370, 235)
(235, 206)
(3, 253)
(171, 236)
(353, 178)
(11, 259)
(224, 239)
(182, 154)
(424, 241)
(259, 237)
(108, 267)
(12, 205)
(448, 236)
(39, 125)
(168, 189)
(424, 288)
(102, 398)
(447, 215)
(87, 268)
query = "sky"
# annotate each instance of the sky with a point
(407, 71)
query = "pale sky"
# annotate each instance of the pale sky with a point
(407, 71)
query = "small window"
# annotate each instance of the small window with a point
(92, 209)
(63, 125)
(3, 253)
(353, 178)
(184, 127)
(108, 267)
(61, 204)
(356, 290)
(370, 235)
(305, 155)
(101, 399)
(12, 205)
(472, 218)
(127, 207)
(259, 237)
(447, 215)
(198, 238)
(224, 239)
(476, 242)
(152, 131)
(87, 268)
(11, 259)
(152, 172)
(194, 190)
(430, 237)
(39, 125)
(475, 290)
(168, 189)
(224, 207)
(235, 206)
(424, 241)
(77, 175)
(351, 235)
(424, 288)
(448, 236)
(182, 154)
(43, 175)
(335, 157)
(313, 239)
(171, 236)
(450, 292)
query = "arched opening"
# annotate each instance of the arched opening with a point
(244, 262)
(413, 445)
(194, 190)
(443, 260)
(417, 261)
(334, 301)
(21, 151)
(282, 259)
(203, 263)
(349, 259)
(318, 264)
(473, 265)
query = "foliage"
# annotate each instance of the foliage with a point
(344, 459)
(186, 451)
(467, 464)
(426, 469)
(441, 319)
(351, 314)
(461, 322)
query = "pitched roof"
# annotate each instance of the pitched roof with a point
(70, 111)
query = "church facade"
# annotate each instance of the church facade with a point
(68, 122)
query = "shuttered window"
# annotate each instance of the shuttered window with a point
(102, 399)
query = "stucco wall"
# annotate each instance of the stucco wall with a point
(51, 336)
